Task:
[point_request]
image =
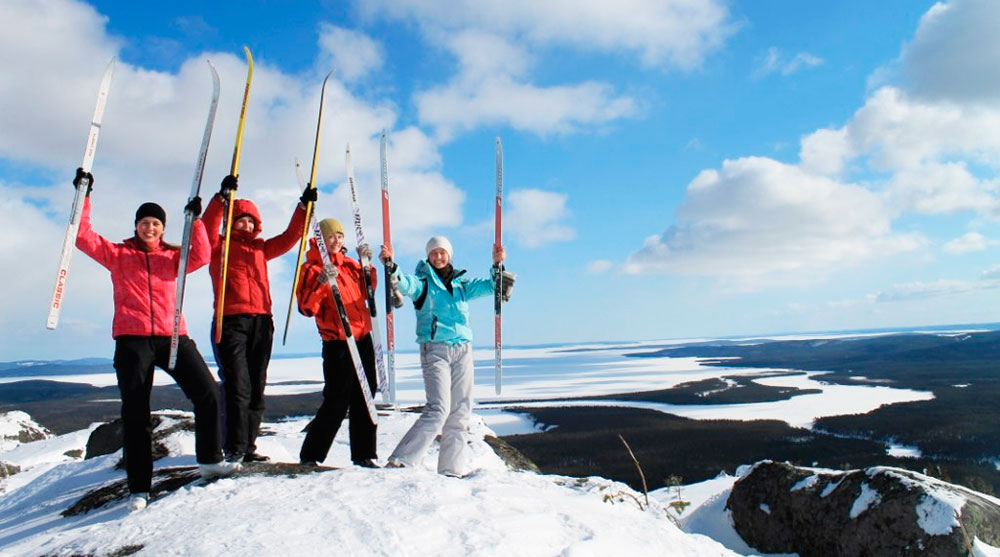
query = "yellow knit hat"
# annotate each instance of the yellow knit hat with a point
(329, 226)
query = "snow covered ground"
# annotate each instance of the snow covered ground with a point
(351, 511)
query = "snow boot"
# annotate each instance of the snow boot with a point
(138, 501)
(219, 469)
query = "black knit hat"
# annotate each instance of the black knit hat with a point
(150, 209)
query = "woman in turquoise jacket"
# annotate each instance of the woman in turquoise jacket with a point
(441, 295)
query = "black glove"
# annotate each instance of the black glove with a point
(229, 185)
(309, 195)
(80, 175)
(194, 207)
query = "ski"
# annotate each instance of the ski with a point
(309, 208)
(69, 241)
(199, 170)
(352, 346)
(391, 297)
(498, 279)
(369, 288)
(228, 223)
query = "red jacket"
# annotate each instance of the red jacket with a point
(145, 282)
(248, 290)
(316, 300)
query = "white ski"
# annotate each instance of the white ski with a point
(69, 241)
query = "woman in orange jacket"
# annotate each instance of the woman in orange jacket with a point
(341, 390)
(244, 350)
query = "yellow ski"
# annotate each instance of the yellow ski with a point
(233, 170)
(309, 208)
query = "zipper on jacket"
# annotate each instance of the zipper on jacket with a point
(149, 283)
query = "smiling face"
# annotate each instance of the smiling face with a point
(334, 242)
(245, 224)
(439, 258)
(149, 230)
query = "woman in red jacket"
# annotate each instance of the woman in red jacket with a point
(144, 275)
(341, 389)
(244, 351)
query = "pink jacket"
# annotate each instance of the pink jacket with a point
(145, 282)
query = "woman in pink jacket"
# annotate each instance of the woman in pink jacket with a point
(144, 275)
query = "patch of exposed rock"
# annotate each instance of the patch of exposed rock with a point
(168, 480)
(780, 508)
(18, 426)
(108, 437)
(513, 458)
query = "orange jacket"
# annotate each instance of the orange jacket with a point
(248, 290)
(145, 282)
(316, 299)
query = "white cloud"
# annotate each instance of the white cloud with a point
(936, 289)
(993, 273)
(941, 188)
(900, 132)
(826, 151)
(350, 53)
(954, 54)
(599, 266)
(968, 242)
(760, 219)
(677, 33)
(490, 89)
(536, 217)
(772, 62)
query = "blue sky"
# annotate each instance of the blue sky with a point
(673, 168)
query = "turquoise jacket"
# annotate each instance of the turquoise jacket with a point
(443, 316)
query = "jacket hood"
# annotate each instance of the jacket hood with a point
(245, 207)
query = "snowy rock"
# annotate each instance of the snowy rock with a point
(107, 438)
(513, 458)
(18, 427)
(876, 511)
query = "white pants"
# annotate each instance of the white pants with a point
(448, 377)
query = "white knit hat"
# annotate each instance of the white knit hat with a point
(439, 242)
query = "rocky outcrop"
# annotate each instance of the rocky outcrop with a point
(19, 427)
(780, 508)
(169, 480)
(513, 458)
(108, 438)
(8, 469)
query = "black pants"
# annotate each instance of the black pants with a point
(243, 354)
(135, 358)
(340, 392)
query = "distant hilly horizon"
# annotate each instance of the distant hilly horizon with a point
(42, 367)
